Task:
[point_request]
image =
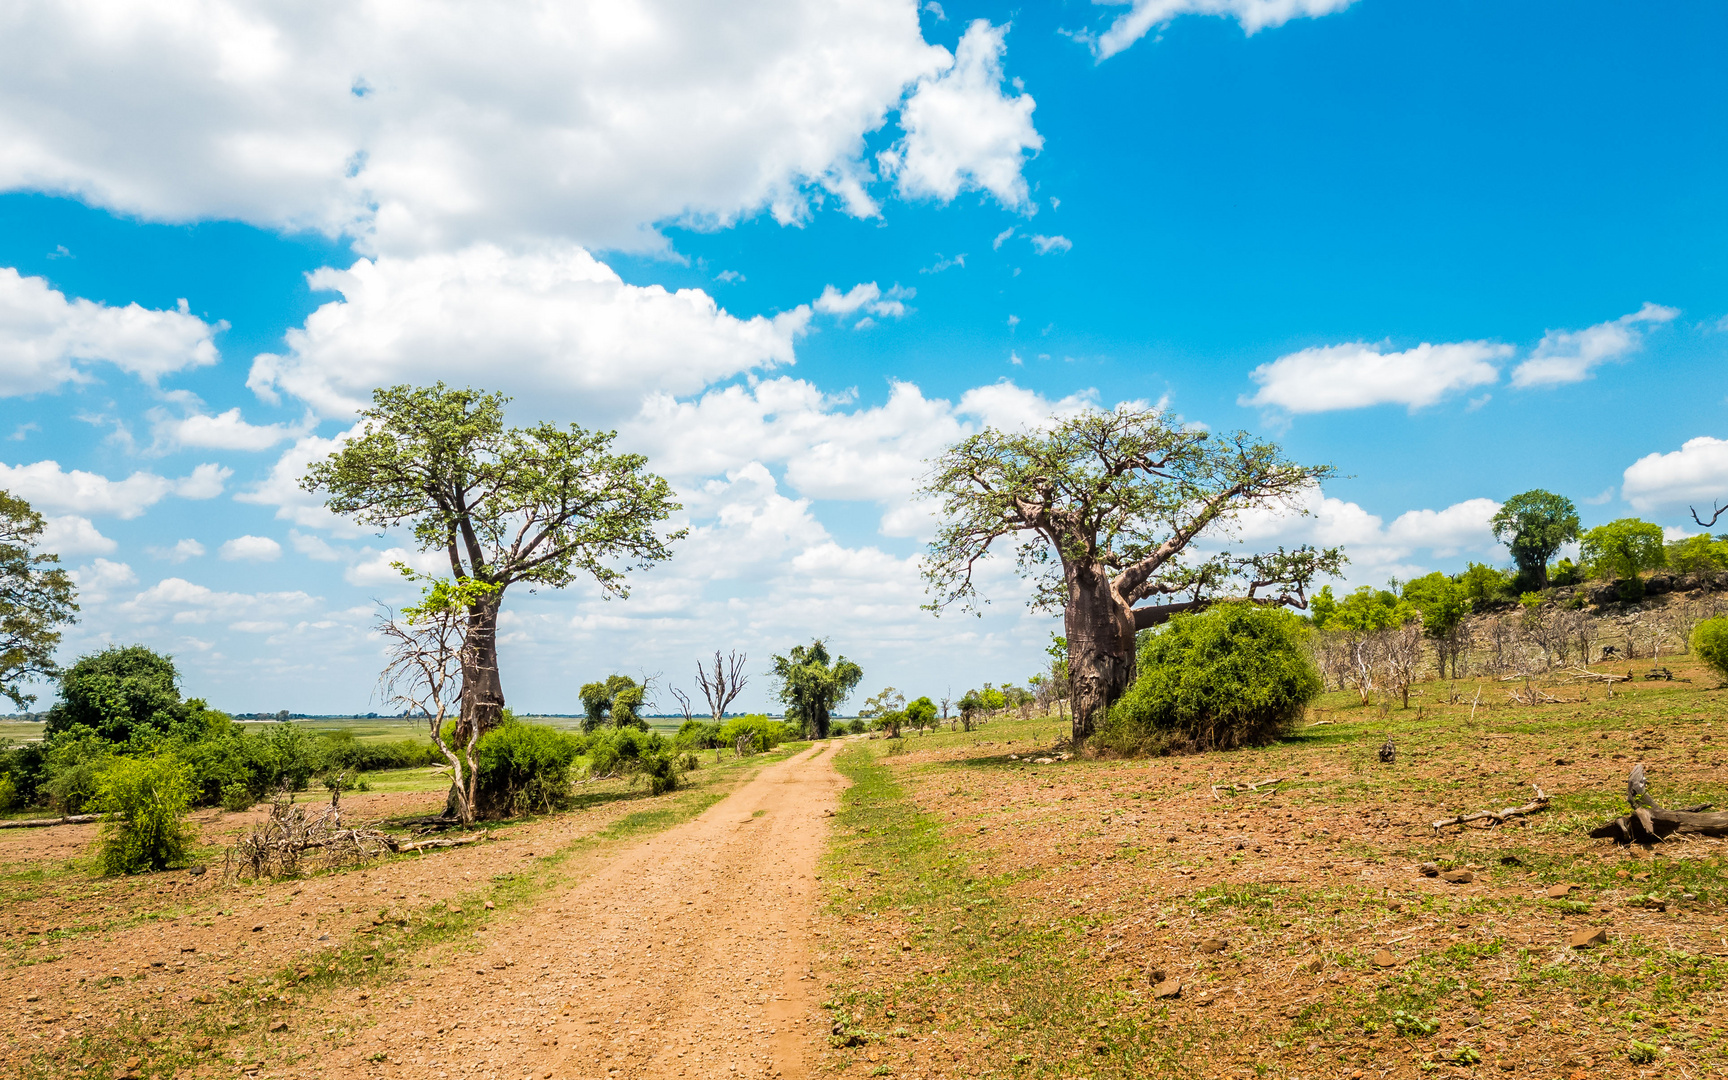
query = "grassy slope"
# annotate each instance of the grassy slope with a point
(994, 917)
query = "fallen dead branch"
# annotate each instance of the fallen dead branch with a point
(292, 834)
(43, 823)
(423, 845)
(1498, 817)
(1598, 676)
(1235, 789)
(1651, 824)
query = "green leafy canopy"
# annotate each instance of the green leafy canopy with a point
(541, 504)
(1123, 491)
(812, 684)
(36, 599)
(1533, 525)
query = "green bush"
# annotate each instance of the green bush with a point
(72, 768)
(524, 768)
(285, 756)
(858, 726)
(1710, 642)
(145, 802)
(635, 754)
(698, 735)
(765, 734)
(1238, 674)
(237, 797)
(8, 794)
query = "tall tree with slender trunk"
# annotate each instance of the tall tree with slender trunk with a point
(1105, 506)
(542, 505)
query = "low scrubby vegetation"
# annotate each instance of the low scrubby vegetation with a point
(1236, 675)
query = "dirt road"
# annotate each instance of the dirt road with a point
(687, 955)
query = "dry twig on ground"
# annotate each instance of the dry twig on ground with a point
(1498, 817)
(1235, 789)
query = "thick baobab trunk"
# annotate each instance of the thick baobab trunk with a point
(482, 705)
(1100, 627)
(482, 691)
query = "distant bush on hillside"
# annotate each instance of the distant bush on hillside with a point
(1236, 675)
(1710, 642)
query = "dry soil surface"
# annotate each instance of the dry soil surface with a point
(687, 955)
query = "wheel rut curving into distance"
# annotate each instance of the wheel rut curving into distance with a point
(687, 955)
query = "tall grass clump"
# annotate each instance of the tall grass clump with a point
(144, 803)
(1710, 642)
(1238, 674)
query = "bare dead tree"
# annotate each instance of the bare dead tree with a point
(1585, 631)
(1502, 643)
(426, 649)
(1365, 667)
(1719, 511)
(1333, 655)
(684, 706)
(1400, 655)
(722, 685)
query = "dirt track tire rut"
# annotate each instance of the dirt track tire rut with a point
(687, 955)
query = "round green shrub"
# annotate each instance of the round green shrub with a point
(144, 801)
(1238, 674)
(236, 797)
(1710, 642)
(525, 768)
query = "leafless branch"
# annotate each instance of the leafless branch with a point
(423, 674)
(1720, 510)
(722, 685)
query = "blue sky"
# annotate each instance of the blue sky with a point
(789, 250)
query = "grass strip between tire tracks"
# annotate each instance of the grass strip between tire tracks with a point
(990, 987)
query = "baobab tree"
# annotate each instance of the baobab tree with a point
(541, 505)
(1105, 506)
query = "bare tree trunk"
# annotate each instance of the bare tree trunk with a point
(1100, 627)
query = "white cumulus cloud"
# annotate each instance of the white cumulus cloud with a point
(179, 553)
(1253, 15)
(250, 549)
(224, 431)
(427, 127)
(1358, 375)
(828, 448)
(1569, 356)
(557, 328)
(45, 486)
(69, 535)
(962, 131)
(178, 601)
(47, 340)
(867, 297)
(98, 581)
(1415, 543)
(1697, 473)
(1047, 244)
